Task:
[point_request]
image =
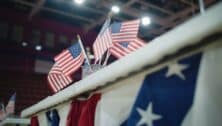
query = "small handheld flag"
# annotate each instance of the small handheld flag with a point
(103, 41)
(66, 63)
(10, 108)
(83, 51)
(121, 49)
(2, 112)
(71, 59)
(125, 31)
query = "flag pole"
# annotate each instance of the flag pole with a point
(110, 14)
(100, 60)
(107, 57)
(202, 8)
(84, 52)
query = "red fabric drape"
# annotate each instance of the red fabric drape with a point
(34, 121)
(82, 112)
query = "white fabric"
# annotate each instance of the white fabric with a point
(63, 113)
(42, 119)
(117, 101)
(207, 107)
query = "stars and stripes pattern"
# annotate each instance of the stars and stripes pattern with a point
(165, 99)
(124, 31)
(57, 80)
(66, 63)
(10, 108)
(103, 41)
(121, 49)
(120, 39)
(70, 60)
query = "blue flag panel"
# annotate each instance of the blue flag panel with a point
(115, 27)
(75, 50)
(53, 117)
(166, 96)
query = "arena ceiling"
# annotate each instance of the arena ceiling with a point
(165, 14)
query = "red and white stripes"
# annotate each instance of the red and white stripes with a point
(101, 44)
(119, 51)
(57, 80)
(66, 62)
(128, 32)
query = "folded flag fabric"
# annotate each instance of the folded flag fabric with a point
(124, 38)
(82, 112)
(63, 111)
(103, 41)
(166, 95)
(66, 63)
(53, 117)
(75, 112)
(121, 49)
(57, 79)
(88, 112)
(34, 121)
(206, 109)
(44, 120)
(70, 59)
(124, 31)
(116, 102)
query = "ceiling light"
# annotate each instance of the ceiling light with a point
(24, 44)
(115, 9)
(79, 1)
(146, 21)
(38, 47)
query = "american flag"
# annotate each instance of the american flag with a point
(2, 112)
(121, 49)
(66, 63)
(124, 31)
(166, 96)
(57, 80)
(10, 108)
(70, 60)
(103, 41)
